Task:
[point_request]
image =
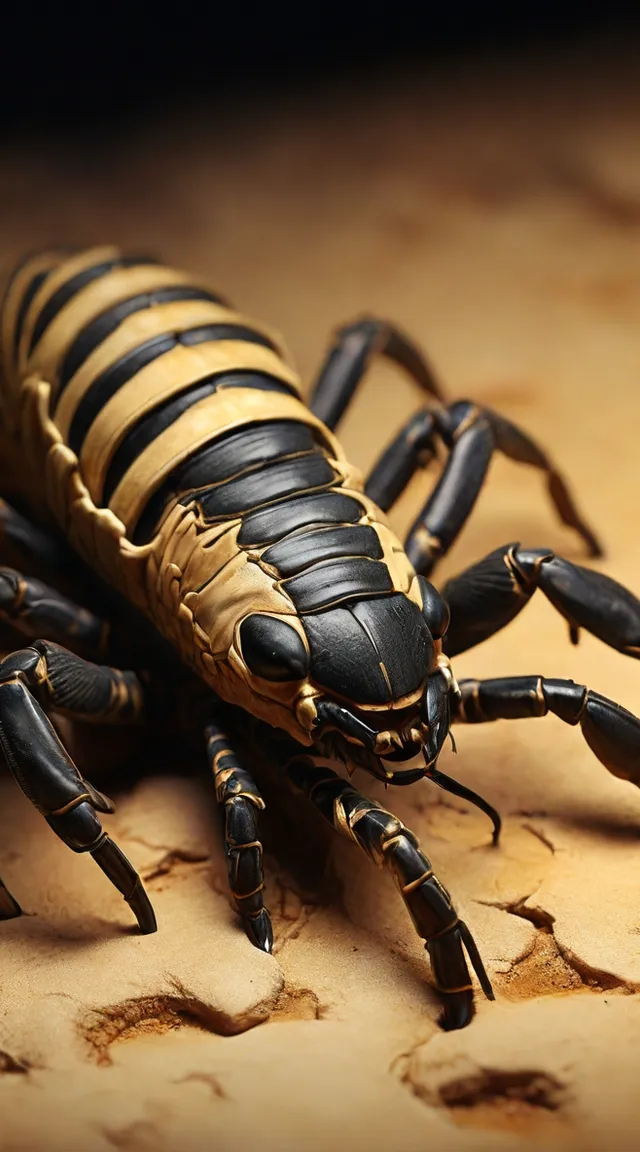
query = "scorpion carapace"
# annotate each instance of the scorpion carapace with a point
(164, 436)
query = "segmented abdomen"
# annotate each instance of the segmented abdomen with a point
(164, 392)
(162, 417)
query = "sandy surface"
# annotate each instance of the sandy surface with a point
(495, 215)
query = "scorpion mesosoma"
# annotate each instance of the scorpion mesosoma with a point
(163, 436)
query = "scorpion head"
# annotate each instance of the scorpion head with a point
(372, 685)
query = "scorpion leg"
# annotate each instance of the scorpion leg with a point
(31, 547)
(37, 610)
(348, 359)
(386, 841)
(46, 675)
(611, 732)
(487, 596)
(472, 435)
(238, 794)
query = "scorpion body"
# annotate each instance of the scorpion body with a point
(164, 436)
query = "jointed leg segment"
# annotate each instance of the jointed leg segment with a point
(48, 676)
(386, 841)
(35, 609)
(469, 433)
(487, 596)
(612, 733)
(237, 792)
(347, 361)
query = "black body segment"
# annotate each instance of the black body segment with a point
(270, 524)
(229, 455)
(248, 450)
(73, 286)
(97, 330)
(371, 651)
(341, 657)
(310, 470)
(336, 580)
(113, 378)
(295, 553)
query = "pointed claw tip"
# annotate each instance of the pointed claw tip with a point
(146, 918)
(142, 909)
(458, 1011)
(260, 931)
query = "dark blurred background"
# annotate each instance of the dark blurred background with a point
(68, 68)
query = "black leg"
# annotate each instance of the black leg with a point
(348, 359)
(37, 610)
(611, 732)
(414, 447)
(386, 841)
(487, 596)
(48, 676)
(22, 543)
(473, 434)
(238, 794)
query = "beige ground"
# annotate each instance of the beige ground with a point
(496, 215)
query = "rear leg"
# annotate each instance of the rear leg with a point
(37, 610)
(31, 607)
(29, 547)
(471, 435)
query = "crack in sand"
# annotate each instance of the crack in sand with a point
(159, 1014)
(172, 861)
(525, 1101)
(545, 951)
(206, 1078)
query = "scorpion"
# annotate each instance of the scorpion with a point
(155, 436)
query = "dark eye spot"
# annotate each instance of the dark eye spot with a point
(272, 649)
(434, 609)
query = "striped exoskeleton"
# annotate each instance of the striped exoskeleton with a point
(164, 437)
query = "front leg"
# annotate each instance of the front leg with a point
(487, 596)
(48, 676)
(611, 732)
(238, 794)
(387, 842)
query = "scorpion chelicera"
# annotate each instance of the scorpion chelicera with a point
(163, 437)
